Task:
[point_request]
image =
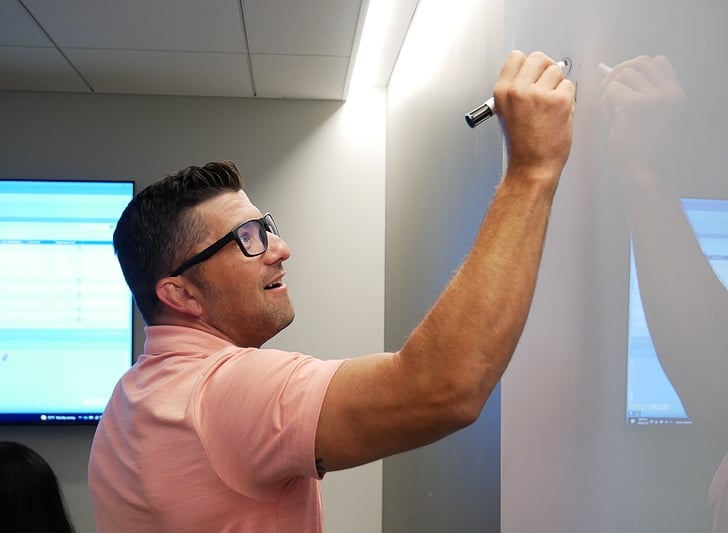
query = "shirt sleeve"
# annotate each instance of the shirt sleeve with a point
(256, 413)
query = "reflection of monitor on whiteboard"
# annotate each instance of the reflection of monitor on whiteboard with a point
(651, 399)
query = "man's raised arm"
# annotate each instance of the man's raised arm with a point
(439, 381)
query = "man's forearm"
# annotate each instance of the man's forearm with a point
(468, 337)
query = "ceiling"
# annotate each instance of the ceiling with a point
(232, 48)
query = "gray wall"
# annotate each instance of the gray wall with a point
(440, 177)
(318, 166)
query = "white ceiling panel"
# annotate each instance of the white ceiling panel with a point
(297, 27)
(37, 69)
(172, 73)
(281, 76)
(302, 48)
(193, 25)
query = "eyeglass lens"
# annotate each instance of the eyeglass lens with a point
(253, 234)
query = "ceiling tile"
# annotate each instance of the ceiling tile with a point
(185, 25)
(301, 27)
(18, 28)
(282, 76)
(37, 69)
(172, 73)
(184, 47)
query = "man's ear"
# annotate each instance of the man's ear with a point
(179, 295)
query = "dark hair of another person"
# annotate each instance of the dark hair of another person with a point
(158, 231)
(30, 497)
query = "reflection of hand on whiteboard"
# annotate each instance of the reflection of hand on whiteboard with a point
(643, 100)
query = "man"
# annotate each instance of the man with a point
(207, 432)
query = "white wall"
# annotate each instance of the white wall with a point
(569, 461)
(569, 454)
(318, 166)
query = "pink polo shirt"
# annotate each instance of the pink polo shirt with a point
(200, 435)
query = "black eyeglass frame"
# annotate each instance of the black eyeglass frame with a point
(265, 223)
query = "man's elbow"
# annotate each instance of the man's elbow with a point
(464, 405)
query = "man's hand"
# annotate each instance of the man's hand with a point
(535, 106)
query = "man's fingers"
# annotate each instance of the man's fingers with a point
(512, 65)
(534, 68)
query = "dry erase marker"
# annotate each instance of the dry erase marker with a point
(485, 111)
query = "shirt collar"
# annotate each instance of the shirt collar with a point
(179, 340)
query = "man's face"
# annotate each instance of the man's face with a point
(243, 297)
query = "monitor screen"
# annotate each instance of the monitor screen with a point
(651, 398)
(66, 313)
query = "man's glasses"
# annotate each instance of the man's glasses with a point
(251, 236)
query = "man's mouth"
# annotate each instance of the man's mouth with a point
(274, 285)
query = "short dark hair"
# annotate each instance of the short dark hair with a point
(158, 230)
(30, 496)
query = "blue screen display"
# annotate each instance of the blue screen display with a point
(651, 398)
(66, 311)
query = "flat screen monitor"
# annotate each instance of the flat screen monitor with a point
(651, 398)
(65, 309)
